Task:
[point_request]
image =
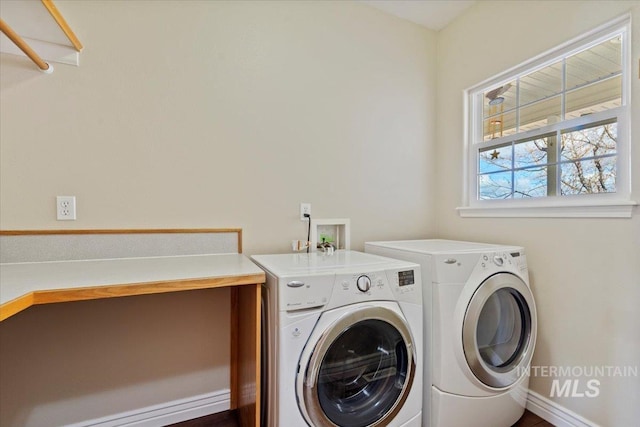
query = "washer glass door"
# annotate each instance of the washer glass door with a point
(499, 330)
(360, 371)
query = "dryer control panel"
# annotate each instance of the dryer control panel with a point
(515, 260)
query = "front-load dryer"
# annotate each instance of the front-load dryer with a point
(480, 329)
(343, 343)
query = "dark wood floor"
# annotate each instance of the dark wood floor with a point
(229, 419)
(530, 419)
(222, 419)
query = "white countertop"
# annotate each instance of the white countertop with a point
(20, 279)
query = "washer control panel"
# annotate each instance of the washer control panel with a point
(299, 293)
(317, 281)
(394, 285)
(335, 290)
(363, 283)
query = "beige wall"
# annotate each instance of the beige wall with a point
(71, 362)
(207, 114)
(585, 272)
(215, 114)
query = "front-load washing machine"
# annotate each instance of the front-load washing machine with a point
(480, 329)
(343, 342)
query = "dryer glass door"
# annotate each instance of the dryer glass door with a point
(360, 372)
(499, 330)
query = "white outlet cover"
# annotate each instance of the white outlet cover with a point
(66, 208)
(305, 208)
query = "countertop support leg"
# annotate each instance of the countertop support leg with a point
(245, 353)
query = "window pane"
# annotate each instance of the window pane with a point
(594, 64)
(500, 99)
(500, 125)
(551, 130)
(540, 114)
(530, 153)
(601, 96)
(593, 141)
(495, 186)
(530, 183)
(541, 84)
(589, 176)
(495, 158)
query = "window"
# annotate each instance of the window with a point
(550, 138)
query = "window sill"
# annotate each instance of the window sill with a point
(612, 209)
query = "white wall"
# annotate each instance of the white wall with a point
(585, 272)
(206, 114)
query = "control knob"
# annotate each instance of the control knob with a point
(363, 283)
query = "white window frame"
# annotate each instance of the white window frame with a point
(618, 204)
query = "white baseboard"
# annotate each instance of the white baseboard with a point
(166, 413)
(554, 413)
(211, 403)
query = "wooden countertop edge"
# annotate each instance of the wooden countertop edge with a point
(49, 296)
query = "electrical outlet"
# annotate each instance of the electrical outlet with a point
(66, 208)
(305, 208)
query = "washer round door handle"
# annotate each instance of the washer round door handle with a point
(363, 283)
